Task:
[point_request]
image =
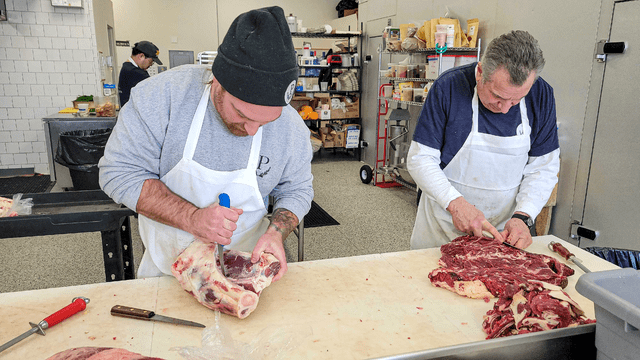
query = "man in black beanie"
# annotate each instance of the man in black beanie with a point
(193, 132)
(134, 70)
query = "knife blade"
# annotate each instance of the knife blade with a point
(77, 304)
(224, 200)
(140, 314)
(485, 233)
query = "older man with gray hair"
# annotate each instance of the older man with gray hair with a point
(482, 162)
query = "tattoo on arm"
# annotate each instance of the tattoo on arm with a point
(283, 221)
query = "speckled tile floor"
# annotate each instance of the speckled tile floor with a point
(372, 220)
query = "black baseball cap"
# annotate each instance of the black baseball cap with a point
(149, 50)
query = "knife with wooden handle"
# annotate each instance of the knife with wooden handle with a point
(568, 255)
(140, 314)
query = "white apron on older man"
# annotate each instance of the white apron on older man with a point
(487, 171)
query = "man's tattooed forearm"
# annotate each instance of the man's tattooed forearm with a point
(283, 221)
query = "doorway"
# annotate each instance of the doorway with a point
(610, 197)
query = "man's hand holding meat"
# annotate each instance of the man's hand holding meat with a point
(282, 224)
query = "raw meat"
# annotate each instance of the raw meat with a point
(198, 271)
(5, 207)
(99, 353)
(542, 308)
(479, 267)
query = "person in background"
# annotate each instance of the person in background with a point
(194, 132)
(143, 55)
(485, 151)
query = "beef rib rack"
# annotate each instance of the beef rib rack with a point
(198, 271)
(480, 267)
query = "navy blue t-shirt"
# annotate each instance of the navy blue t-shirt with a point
(130, 76)
(446, 117)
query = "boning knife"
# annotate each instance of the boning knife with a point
(77, 304)
(224, 200)
(140, 314)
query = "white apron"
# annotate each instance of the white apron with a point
(201, 186)
(487, 171)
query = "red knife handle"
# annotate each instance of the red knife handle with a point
(66, 312)
(561, 250)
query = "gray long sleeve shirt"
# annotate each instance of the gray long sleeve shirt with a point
(149, 137)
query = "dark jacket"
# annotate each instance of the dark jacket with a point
(130, 76)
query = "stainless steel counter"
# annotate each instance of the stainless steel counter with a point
(56, 124)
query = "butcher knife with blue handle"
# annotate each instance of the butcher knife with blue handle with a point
(224, 200)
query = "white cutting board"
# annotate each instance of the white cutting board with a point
(346, 308)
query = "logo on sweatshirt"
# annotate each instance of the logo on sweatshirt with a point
(260, 170)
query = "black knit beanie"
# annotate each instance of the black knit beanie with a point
(256, 61)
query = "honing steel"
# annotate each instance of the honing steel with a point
(140, 314)
(77, 304)
(224, 200)
(565, 253)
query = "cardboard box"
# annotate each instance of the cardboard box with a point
(339, 139)
(351, 110)
(325, 114)
(348, 12)
(327, 135)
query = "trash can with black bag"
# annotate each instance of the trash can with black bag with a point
(621, 257)
(80, 151)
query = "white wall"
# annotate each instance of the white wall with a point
(199, 25)
(47, 59)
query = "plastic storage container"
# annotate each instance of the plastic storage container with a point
(616, 298)
(105, 106)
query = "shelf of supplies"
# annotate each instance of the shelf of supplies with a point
(340, 92)
(401, 102)
(408, 79)
(432, 50)
(332, 68)
(321, 35)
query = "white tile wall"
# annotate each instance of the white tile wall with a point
(48, 57)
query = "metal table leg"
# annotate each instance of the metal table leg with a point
(300, 233)
(118, 252)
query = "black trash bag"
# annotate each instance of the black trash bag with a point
(82, 149)
(621, 257)
(346, 5)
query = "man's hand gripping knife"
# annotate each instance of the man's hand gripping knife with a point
(468, 219)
